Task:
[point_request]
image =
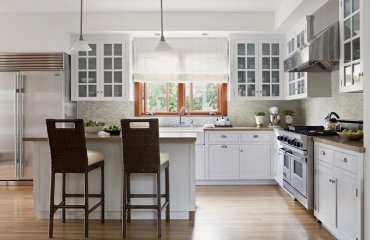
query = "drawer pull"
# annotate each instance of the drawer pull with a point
(223, 136)
(255, 136)
(323, 153)
(241, 150)
(345, 160)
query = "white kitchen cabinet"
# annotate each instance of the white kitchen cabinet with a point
(101, 74)
(223, 161)
(338, 191)
(200, 164)
(351, 40)
(255, 161)
(256, 69)
(277, 160)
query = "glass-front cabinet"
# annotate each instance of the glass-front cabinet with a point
(258, 69)
(351, 71)
(101, 74)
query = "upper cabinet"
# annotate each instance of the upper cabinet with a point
(256, 69)
(351, 67)
(101, 74)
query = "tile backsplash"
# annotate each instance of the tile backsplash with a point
(241, 112)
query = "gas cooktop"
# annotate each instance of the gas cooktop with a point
(311, 130)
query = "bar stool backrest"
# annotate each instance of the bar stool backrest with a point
(140, 145)
(67, 145)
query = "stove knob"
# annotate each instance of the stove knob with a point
(280, 138)
(299, 144)
(285, 139)
(294, 142)
(290, 141)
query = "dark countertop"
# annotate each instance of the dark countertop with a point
(336, 141)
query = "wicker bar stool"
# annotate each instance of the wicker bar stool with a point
(141, 154)
(69, 155)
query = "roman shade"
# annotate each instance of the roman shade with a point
(191, 60)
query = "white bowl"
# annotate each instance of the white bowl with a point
(93, 129)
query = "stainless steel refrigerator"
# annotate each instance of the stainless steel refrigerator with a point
(33, 87)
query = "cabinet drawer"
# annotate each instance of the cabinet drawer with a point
(346, 161)
(223, 137)
(324, 154)
(255, 137)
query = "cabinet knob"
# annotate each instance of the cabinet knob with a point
(345, 160)
(361, 74)
(223, 136)
(241, 150)
(323, 153)
(255, 136)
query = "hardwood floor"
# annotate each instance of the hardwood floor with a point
(223, 212)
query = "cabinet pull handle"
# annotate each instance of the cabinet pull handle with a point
(333, 181)
(223, 136)
(225, 146)
(345, 160)
(241, 150)
(323, 153)
(330, 180)
(255, 136)
(361, 74)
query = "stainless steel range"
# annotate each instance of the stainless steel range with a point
(298, 161)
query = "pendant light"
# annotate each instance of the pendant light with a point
(162, 45)
(81, 45)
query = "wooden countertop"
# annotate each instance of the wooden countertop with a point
(238, 129)
(336, 141)
(163, 137)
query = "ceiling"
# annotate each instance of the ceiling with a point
(139, 5)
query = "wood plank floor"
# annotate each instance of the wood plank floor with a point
(223, 212)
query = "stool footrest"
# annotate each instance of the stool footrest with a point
(142, 207)
(82, 195)
(141, 195)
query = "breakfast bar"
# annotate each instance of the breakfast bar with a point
(179, 145)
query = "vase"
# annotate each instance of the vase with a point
(288, 119)
(260, 120)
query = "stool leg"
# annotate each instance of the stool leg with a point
(128, 197)
(124, 205)
(167, 182)
(159, 204)
(63, 197)
(86, 197)
(51, 212)
(102, 193)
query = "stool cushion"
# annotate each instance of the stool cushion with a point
(94, 157)
(164, 157)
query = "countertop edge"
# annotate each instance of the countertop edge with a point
(338, 142)
(238, 129)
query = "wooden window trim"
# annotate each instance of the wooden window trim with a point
(140, 103)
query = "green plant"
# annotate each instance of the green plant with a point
(288, 112)
(259, 114)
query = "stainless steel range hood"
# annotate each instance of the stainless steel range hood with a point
(322, 52)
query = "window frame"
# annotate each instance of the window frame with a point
(140, 108)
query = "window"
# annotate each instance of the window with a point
(194, 75)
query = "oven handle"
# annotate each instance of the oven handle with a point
(300, 159)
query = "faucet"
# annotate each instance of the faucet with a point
(182, 111)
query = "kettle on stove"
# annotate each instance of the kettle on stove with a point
(331, 122)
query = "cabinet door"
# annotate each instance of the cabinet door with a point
(279, 165)
(113, 70)
(348, 206)
(255, 161)
(246, 66)
(200, 171)
(325, 195)
(87, 67)
(351, 73)
(223, 161)
(270, 70)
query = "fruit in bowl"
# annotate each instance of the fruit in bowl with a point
(113, 129)
(351, 135)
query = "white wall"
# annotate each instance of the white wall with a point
(51, 31)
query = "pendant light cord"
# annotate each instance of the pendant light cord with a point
(162, 36)
(81, 38)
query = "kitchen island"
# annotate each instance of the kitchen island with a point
(179, 145)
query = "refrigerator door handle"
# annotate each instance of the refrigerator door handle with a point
(17, 130)
(21, 126)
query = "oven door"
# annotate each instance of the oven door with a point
(286, 166)
(299, 173)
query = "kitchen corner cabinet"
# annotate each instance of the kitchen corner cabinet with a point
(101, 74)
(256, 69)
(338, 184)
(351, 40)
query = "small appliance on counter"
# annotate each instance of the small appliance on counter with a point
(274, 117)
(331, 122)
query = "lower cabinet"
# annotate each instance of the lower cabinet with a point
(338, 191)
(255, 161)
(223, 161)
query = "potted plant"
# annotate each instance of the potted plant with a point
(260, 118)
(289, 114)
